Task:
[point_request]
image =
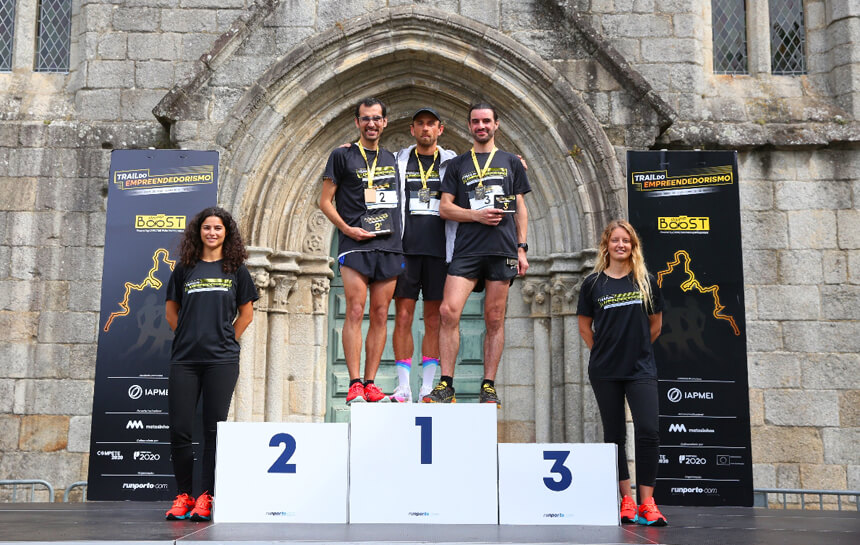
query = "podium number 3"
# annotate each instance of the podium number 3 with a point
(559, 456)
(426, 425)
(289, 442)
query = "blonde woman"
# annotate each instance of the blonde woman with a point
(620, 315)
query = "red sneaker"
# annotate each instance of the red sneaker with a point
(649, 515)
(628, 510)
(203, 508)
(373, 394)
(355, 394)
(181, 506)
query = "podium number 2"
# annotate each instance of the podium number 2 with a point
(289, 442)
(558, 467)
(426, 425)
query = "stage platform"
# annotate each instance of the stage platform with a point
(128, 523)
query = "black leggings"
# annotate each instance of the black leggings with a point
(642, 398)
(215, 381)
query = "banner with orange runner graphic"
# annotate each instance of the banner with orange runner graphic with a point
(686, 207)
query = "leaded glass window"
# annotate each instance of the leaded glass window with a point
(55, 35)
(729, 22)
(787, 37)
(7, 30)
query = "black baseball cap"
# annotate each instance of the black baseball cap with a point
(430, 111)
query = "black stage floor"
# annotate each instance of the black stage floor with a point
(127, 522)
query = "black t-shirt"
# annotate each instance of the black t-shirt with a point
(209, 300)
(347, 169)
(506, 176)
(622, 336)
(424, 229)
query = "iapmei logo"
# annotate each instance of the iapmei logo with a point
(135, 392)
(675, 395)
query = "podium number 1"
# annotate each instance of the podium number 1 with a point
(426, 425)
(558, 467)
(289, 442)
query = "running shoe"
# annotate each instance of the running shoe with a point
(442, 393)
(355, 394)
(628, 510)
(203, 508)
(402, 394)
(182, 505)
(649, 515)
(422, 393)
(488, 395)
(373, 394)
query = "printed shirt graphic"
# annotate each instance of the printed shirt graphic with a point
(209, 300)
(506, 176)
(622, 338)
(424, 230)
(347, 169)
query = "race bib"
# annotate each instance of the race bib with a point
(421, 207)
(381, 198)
(488, 200)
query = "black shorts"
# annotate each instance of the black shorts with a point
(375, 265)
(423, 273)
(484, 267)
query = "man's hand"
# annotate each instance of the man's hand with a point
(358, 234)
(488, 216)
(522, 262)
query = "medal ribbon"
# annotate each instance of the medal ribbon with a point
(371, 171)
(478, 170)
(421, 173)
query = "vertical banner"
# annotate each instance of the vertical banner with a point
(152, 194)
(686, 207)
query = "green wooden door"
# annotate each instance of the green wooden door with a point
(469, 370)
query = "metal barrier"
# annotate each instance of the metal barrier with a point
(761, 497)
(78, 484)
(32, 483)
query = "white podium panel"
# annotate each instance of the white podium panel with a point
(281, 472)
(558, 483)
(423, 463)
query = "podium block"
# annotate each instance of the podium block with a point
(294, 472)
(423, 463)
(558, 483)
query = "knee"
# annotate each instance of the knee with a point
(378, 314)
(354, 312)
(431, 321)
(494, 320)
(403, 317)
(647, 434)
(448, 315)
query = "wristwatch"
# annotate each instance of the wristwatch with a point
(524, 246)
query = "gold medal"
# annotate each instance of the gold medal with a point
(424, 194)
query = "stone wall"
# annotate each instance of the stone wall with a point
(643, 68)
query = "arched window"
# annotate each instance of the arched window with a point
(54, 36)
(729, 23)
(787, 37)
(7, 31)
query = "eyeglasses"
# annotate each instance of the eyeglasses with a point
(368, 119)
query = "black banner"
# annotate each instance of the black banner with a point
(152, 194)
(686, 207)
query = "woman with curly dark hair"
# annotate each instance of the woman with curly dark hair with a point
(209, 304)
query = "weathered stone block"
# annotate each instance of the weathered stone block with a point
(515, 431)
(9, 426)
(298, 13)
(638, 26)
(788, 303)
(77, 263)
(821, 336)
(18, 193)
(831, 371)
(49, 396)
(760, 267)
(109, 74)
(672, 50)
(812, 229)
(18, 326)
(515, 371)
(771, 444)
(805, 195)
(849, 409)
(51, 361)
(801, 407)
(756, 407)
(484, 11)
(7, 395)
(79, 434)
(853, 266)
(138, 103)
(54, 467)
(82, 361)
(154, 46)
(834, 264)
(98, 104)
(225, 19)
(195, 45)
(45, 433)
(220, 4)
(763, 336)
(787, 476)
(67, 327)
(853, 477)
(136, 19)
(848, 223)
(189, 20)
(764, 476)
(764, 230)
(113, 46)
(96, 229)
(800, 267)
(840, 445)
(774, 370)
(522, 398)
(17, 358)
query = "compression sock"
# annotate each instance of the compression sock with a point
(429, 366)
(404, 367)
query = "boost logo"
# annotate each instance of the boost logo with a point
(683, 223)
(159, 222)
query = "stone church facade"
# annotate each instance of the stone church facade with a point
(271, 85)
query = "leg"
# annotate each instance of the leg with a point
(644, 406)
(355, 291)
(219, 380)
(610, 401)
(495, 303)
(184, 384)
(402, 339)
(430, 344)
(457, 290)
(380, 299)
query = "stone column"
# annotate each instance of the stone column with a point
(320, 287)
(284, 270)
(254, 340)
(536, 292)
(569, 377)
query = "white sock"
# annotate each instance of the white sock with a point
(403, 369)
(429, 365)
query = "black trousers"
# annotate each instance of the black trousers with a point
(215, 381)
(641, 395)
